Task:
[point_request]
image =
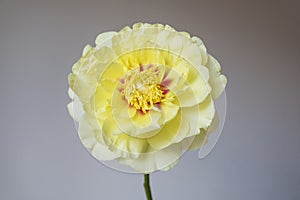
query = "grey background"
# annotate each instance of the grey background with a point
(257, 43)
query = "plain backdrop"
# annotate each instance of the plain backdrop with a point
(257, 157)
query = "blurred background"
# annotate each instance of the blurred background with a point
(257, 43)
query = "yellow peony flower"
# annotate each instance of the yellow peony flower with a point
(144, 96)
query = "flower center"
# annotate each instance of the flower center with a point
(142, 89)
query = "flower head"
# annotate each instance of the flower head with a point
(144, 95)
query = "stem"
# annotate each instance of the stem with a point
(147, 187)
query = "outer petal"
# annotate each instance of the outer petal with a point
(216, 80)
(89, 136)
(101, 152)
(75, 107)
(198, 140)
(202, 49)
(206, 112)
(102, 97)
(202, 138)
(87, 132)
(104, 38)
(158, 160)
(87, 71)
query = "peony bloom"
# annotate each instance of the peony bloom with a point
(144, 96)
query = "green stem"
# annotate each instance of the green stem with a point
(147, 187)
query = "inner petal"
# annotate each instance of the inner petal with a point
(141, 103)
(131, 121)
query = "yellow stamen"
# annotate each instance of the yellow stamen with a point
(142, 89)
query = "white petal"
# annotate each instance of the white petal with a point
(159, 160)
(71, 93)
(87, 132)
(86, 49)
(105, 38)
(75, 107)
(101, 152)
(202, 49)
(216, 80)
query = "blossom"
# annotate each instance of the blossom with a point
(145, 95)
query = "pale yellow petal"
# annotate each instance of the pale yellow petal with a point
(101, 99)
(196, 117)
(83, 85)
(206, 112)
(159, 160)
(181, 89)
(87, 131)
(87, 71)
(194, 57)
(202, 49)
(169, 111)
(169, 132)
(198, 140)
(202, 138)
(181, 68)
(122, 144)
(75, 107)
(214, 124)
(105, 38)
(216, 80)
(101, 152)
(115, 71)
(199, 85)
(88, 48)
(137, 125)
(131, 111)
